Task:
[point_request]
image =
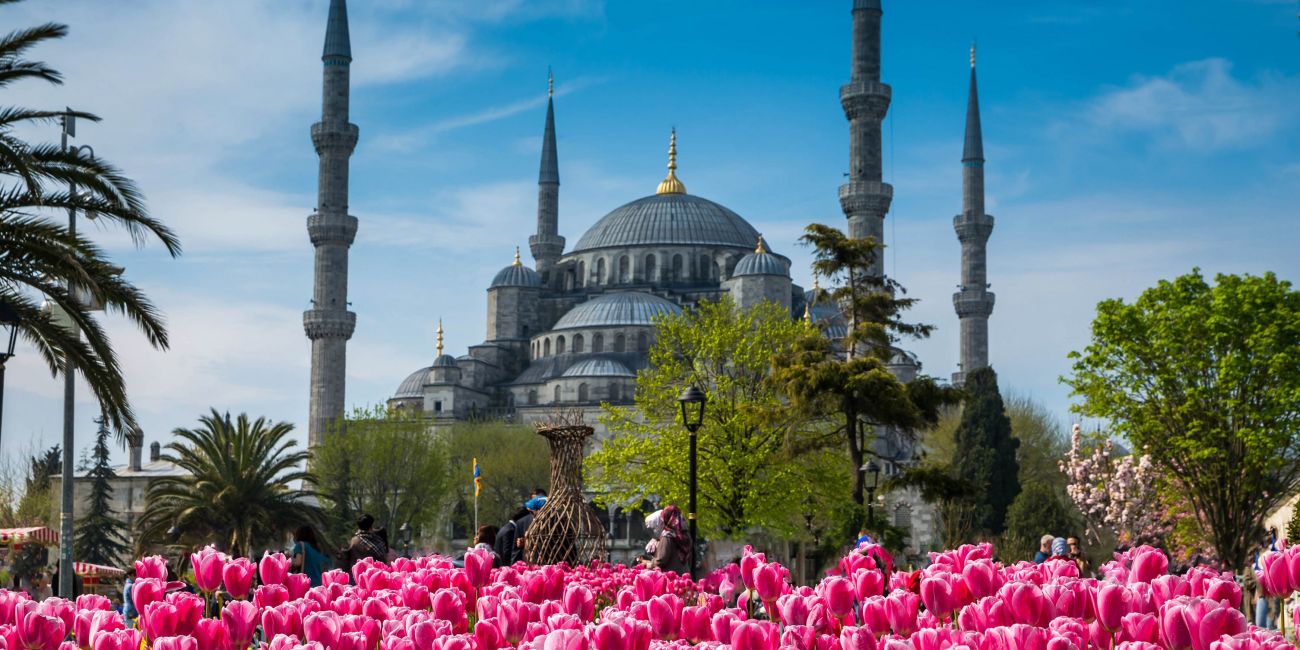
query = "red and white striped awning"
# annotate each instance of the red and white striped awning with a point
(88, 570)
(39, 535)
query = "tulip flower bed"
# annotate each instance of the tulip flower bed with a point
(962, 600)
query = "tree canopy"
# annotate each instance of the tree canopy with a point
(985, 452)
(512, 459)
(758, 460)
(1206, 379)
(101, 536)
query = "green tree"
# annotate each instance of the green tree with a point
(386, 463)
(245, 486)
(513, 461)
(985, 452)
(40, 257)
(1036, 511)
(101, 537)
(1206, 379)
(34, 507)
(756, 457)
(849, 383)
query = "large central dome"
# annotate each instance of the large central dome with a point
(677, 219)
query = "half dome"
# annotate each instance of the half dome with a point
(413, 385)
(617, 309)
(669, 219)
(598, 368)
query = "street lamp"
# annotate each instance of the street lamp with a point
(872, 470)
(692, 401)
(9, 323)
(405, 534)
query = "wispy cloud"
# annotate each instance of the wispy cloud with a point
(1199, 105)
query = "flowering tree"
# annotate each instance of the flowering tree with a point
(1117, 495)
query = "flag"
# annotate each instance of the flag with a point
(478, 481)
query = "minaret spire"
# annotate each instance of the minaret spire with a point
(329, 324)
(439, 346)
(547, 245)
(670, 184)
(973, 301)
(866, 198)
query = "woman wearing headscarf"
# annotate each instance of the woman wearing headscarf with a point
(671, 541)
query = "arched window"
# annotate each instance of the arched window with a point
(559, 344)
(582, 274)
(578, 343)
(706, 265)
(624, 270)
(546, 348)
(642, 342)
(582, 393)
(598, 342)
(600, 272)
(677, 268)
(557, 394)
(620, 343)
(532, 396)
(613, 391)
(650, 268)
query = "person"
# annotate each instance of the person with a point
(863, 538)
(1077, 556)
(366, 542)
(128, 605)
(532, 506)
(505, 545)
(672, 552)
(1060, 549)
(484, 540)
(306, 557)
(1044, 548)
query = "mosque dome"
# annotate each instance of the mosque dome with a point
(669, 217)
(598, 368)
(516, 275)
(761, 262)
(445, 361)
(413, 385)
(617, 309)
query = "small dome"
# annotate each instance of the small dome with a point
(445, 361)
(612, 309)
(763, 263)
(413, 385)
(598, 368)
(517, 275)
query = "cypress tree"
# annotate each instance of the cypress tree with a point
(100, 537)
(985, 452)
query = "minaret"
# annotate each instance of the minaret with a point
(973, 301)
(328, 323)
(547, 245)
(865, 198)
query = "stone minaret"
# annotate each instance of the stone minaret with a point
(973, 301)
(328, 323)
(547, 245)
(865, 198)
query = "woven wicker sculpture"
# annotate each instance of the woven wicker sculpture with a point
(566, 529)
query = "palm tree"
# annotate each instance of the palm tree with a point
(39, 256)
(238, 489)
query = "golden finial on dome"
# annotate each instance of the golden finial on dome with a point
(439, 337)
(517, 261)
(807, 314)
(670, 184)
(761, 247)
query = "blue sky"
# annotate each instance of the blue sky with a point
(1126, 142)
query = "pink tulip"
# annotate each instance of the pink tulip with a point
(322, 627)
(240, 618)
(768, 582)
(478, 566)
(901, 609)
(868, 582)
(1027, 603)
(838, 594)
(1140, 627)
(562, 640)
(936, 593)
(189, 609)
(793, 609)
(749, 563)
(754, 635)
(118, 640)
(580, 601)
(37, 631)
(1223, 590)
(160, 619)
(857, 638)
(272, 595)
(176, 643)
(1147, 564)
(211, 634)
(798, 637)
(449, 605)
(1217, 622)
(695, 624)
(151, 567)
(1113, 602)
(609, 636)
(273, 568)
(722, 624)
(238, 576)
(297, 585)
(665, 616)
(487, 635)
(208, 565)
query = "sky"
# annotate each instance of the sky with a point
(1127, 142)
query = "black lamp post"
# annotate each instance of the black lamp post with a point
(692, 401)
(9, 326)
(872, 470)
(406, 535)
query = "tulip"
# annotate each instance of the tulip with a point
(1216, 623)
(980, 577)
(297, 585)
(749, 563)
(118, 640)
(901, 609)
(560, 640)
(273, 568)
(799, 637)
(322, 627)
(609, 636)
(722, 624)
(1148, 564)
(160, 619)
(580, 601)
(937, 595)
(754, 635)
(238, 576)
(768, 582)
(857, 638)
(151, 567)
(868, 582)
(838, 595)
(1140, 627)
(1027, 604)
(37, 631)
(488, 636)
(793, 609)
(240, 618)
(176, 643)
(1113, 602)
(189, 609)
(478, 566)
(665, 616)
(695, 624)
(211, 634)
(208, 565)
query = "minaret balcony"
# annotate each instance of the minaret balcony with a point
(329, 323)
(865, 99)
(973, 302)
(334, 137)
(857, 197)
(972, 227)
(326, 228)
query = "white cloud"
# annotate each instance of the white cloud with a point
(1199, 105)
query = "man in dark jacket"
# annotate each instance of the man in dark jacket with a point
(365, 543)
(506, 544)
